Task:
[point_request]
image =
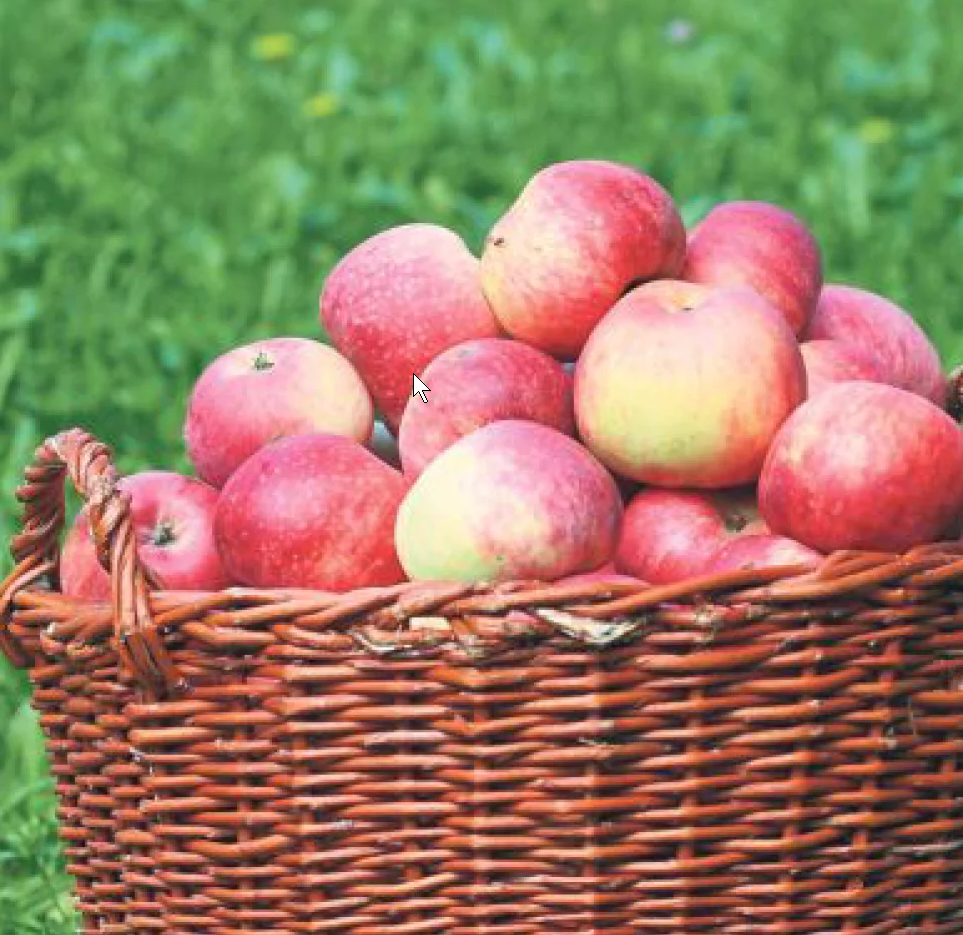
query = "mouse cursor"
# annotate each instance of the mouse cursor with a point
(420, 389)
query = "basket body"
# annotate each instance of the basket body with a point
(753, 753)
(795, 770)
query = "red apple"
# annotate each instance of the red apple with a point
(513, 500)
(479, 382)
(671, 535)
(601, 577)
(263, 391)
(755, 244)
(864, 466)
(173, 520)
(880, 329)
(761, 551)
(399, 299)
(311, 511)
(681, 385)
(578, 236)
(606, 568)
(829, 362)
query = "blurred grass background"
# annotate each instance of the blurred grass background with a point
(176, 177)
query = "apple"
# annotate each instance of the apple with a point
(173, 520)
(512, 500)
(602, 577)
(399, 299)
(385, 445)
(864, 466)
(880, 329)
(682, 385)
(671, 535)
(829, 362)
(606, 568)
(311, 511)
(762, 246)
(761, 551)
(262, 391)
(478, 382)
(577, 237)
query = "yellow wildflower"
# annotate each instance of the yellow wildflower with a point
(876, 130)
(273, 47)
(321, 105)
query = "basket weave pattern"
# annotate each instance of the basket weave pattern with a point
(757, 752)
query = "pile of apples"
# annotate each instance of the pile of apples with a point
(607, 397)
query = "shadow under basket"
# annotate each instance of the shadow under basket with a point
(764, 752)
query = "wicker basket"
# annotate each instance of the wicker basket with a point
(762, 752)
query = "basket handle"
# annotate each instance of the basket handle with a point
(36, 549)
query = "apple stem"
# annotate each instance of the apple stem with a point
(263, 361)
(163, 534)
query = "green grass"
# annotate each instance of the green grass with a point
(33, 885)
(176, 177)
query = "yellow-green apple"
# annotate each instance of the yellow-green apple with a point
(385, 445)
(761, 551)
(399, 299)
(765, 247)
(478, 382)
(864, 466)
(512, 500)
(311, 511)
(577, 237)
(683, 385)
(671, 535)
(880, 329)
(263, 391)
(829, 362)
(173, 518)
